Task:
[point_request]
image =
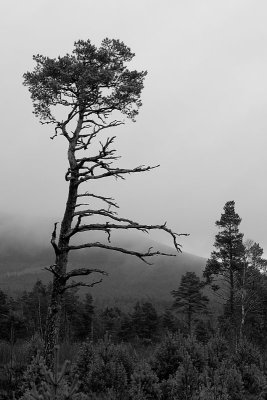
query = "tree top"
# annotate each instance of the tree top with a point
(91, 81)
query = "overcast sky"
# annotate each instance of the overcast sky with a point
(204, 114)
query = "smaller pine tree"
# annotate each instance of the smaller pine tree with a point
(145, 321)
(40, 383)
(188, 299)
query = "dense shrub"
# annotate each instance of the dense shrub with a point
(173, 351)
(196, 352)
(254, 381)
(144, 384)
(247, 354)
(104, 366)
(179, 368)
(213, 392)
(184, 384)
(217, 350)
(248, 360)
(33, 375)
(203, 331)
(40, 383)
(232, 378)
(168, 355)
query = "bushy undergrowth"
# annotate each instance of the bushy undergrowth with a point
(105, 366)
(144, 383)
(179, 368)
(20, 353)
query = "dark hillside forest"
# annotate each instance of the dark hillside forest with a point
(141, 353)
(128, 277)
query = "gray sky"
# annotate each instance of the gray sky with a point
(204, 114)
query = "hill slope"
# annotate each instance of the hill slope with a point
(128, 276)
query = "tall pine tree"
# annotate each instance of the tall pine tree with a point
(250, 284)
(225, 264)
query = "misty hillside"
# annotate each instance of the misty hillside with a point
(20, 267)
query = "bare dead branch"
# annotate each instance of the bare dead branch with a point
(67, 175)
(75, 229)
(53, 239)
(55, 134)
(129, 224)
(117, 173)
(97, 127)
(84, 272)
(137, 254)
(103, 160)
(81, 204)
(79, 284)
(102, 212)
(108, 200)
(52, 269)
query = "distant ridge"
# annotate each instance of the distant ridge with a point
(128, 276)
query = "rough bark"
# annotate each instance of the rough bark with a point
(189, 315)
(61, 252)
(231, 294)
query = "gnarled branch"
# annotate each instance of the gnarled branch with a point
(117, 173)
(108, 200)
(138, 254)
(79, 284)
(52, 269)
(129, 224)
(54, 238)
(84, 272)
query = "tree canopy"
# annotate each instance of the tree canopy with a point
(91, 80)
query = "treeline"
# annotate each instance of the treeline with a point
(235, 276)
(25, 317)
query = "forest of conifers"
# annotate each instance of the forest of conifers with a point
(186, 350)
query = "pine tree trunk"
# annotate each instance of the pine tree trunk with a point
(53, 322)
(242, 323)
(231, 288)
(243, 298)
(61, 263)
(231, 295)
(189, 320)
